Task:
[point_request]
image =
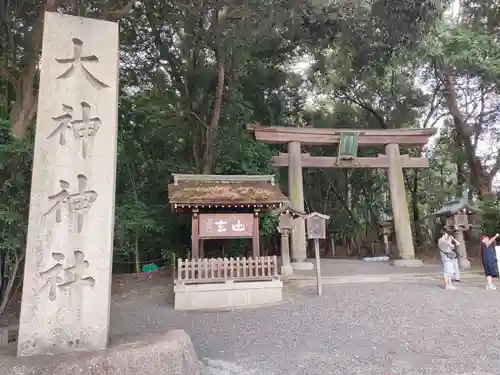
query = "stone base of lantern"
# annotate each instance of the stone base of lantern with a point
(302, 266)
(287, 270)
(407, 262)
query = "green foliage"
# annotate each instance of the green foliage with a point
(490, 221)
(366, 60)
(15, 180)
(238, 154)
(471, 51)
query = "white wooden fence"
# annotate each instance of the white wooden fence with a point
(199, 271)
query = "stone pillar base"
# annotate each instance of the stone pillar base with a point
(302, 266)
(287, 270)
(172, 353)
(464, 263)
(407, 262)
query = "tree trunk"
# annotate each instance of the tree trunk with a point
(6, 297)
(461, 176)
(415, 208)
(137, 258)
(479, 178)
(24, 108)
(26, 93)
(330, 246)
(459, 162)
(211, 130)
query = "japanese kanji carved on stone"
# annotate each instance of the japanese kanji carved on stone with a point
(78, 203)
(72, 276)
(77, 63)
(82, 129)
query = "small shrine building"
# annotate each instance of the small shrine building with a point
(224, 206)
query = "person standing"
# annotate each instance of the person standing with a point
(456, 274)
(449, 257)
(489, 259)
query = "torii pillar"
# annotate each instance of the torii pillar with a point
(296, 195)
(400, 214)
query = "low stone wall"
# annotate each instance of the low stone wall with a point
(227, 295)
(168, 354)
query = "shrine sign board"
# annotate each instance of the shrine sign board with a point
(316, 228)
(316, 225)
(226, 225)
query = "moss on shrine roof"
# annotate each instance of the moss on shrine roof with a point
(457, 205)
(247, 193)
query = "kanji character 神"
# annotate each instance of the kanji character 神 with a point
(82, 129)
(78, 203)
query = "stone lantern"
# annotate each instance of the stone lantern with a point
(286, 216)
(458, 221)
(456, 213)
(385, 230)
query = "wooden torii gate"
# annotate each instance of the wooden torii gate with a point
(348, 140)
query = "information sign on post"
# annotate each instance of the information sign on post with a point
(316, 230)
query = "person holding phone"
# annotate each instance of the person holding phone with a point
(489, 259)
(449, 257)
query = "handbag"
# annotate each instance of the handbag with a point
(451, 254)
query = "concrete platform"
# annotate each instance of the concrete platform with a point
(414, 263)
(347, 271)
(227, 295)
(153, 354)
(352, 267)
(302, 266)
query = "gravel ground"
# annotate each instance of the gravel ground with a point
(392, 328)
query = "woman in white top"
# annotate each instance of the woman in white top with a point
(449, 258)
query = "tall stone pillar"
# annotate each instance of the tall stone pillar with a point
(296, 193)
(65, 303)
(286, 268)
(401, 216)
(463, 260)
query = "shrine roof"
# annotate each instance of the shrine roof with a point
(224, 191)
(456, 206)
(286, 208)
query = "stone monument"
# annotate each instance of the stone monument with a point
(67, 277)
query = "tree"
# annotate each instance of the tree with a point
(15, 181)
(465, 58)
(195, 73)
(21, 32)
